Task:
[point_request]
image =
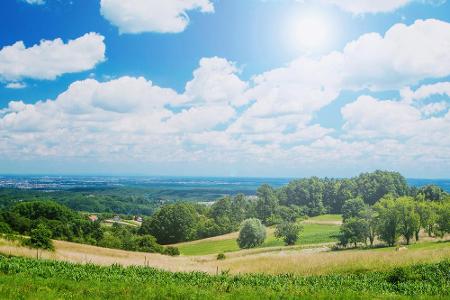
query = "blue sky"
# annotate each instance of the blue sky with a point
(230, 87)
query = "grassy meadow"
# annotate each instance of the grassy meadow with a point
(316, 230)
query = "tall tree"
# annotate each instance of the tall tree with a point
(388, 220)
(267, 203)
(409, 219)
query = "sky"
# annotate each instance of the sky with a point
(273, 88)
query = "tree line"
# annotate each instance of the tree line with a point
(301, 198)
(43, 221)
(391, 218)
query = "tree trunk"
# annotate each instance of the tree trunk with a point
(417, 235)
(407, 240)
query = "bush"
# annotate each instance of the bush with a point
(221, 256)
(40, 238)
(252, 234)
(147, 243)
(289, 232)
(5, 228)
(172, 251)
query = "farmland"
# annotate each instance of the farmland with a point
(34, 279)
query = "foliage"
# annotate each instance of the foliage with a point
(221, 256)
(252, 234)
(443, 219)
(354, 231)
(267, 203)
(353, 208)
(40, 238)
(409, 219)
(388, 220)
(289, 232)
(431, 193)
(38, 279)
(172, 223)
(172, 251)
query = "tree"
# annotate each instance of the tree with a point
(374, 186)
(443, 219)
(289, 232)
(409, 219)
(427, 212)
(252, 234)
(267, 203)
(40, 238)
(353, 231)
(388, 220)
(431, 193)
(353, 208)
(307, 193)
(172, 224)
(371, 218)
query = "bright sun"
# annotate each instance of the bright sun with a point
(309, 32)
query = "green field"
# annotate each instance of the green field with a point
(329, 217)
(22, 278)
(312, 234)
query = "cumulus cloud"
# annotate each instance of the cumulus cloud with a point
(404, 55)
(136, 16)
(50, 59)
(216, 80)
(220, 117)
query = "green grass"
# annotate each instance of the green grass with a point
(311, 234)
(329, 217)
(208, 247)
(37, 279)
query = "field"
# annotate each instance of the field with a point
(317, 230)
(306, 260)
(37, 279)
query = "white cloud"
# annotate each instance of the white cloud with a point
(216, 81)
(222, 118)
(425, 91)
(403, 56)
(136, 16)
(434, 108)
(368, 6)
(51, 59)
(16, 85)
(37, 2)
(369, 117)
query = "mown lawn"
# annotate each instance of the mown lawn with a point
(312, 234)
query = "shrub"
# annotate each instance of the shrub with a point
(172, 251)
(289, 232)
(221, 256)
(5, 228)
(252, 234)
(40, 238)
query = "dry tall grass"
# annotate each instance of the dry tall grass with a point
(309, 261)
